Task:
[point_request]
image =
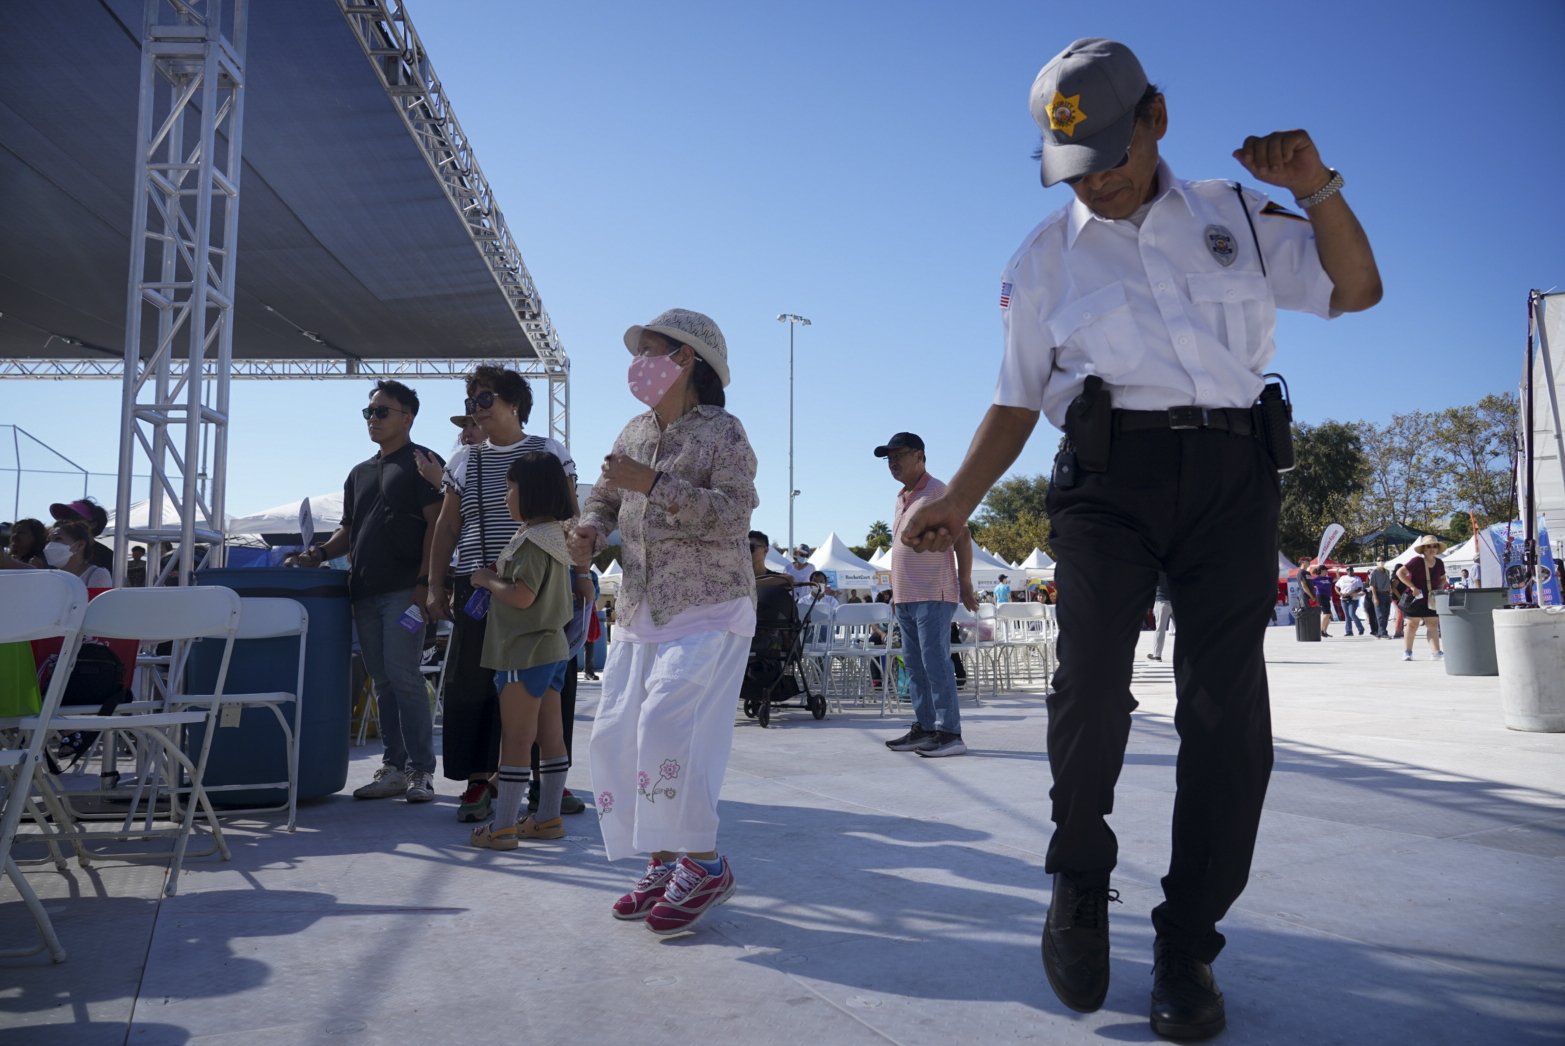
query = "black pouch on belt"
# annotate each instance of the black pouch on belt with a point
(1274, 418)
(1089, 423)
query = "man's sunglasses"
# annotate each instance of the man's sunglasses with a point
(380, 412)
(484, 400)
(1123, 161)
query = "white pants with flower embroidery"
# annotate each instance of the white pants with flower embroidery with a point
(661, 740)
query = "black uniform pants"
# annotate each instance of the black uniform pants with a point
(1200, 505)
(470, 729)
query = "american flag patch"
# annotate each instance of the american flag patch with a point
(1005, 295)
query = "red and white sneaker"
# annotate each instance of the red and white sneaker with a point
(690, 892)
(647, 891)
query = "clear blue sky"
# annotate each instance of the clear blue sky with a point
(867, 165)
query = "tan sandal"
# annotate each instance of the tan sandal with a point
(553, 828)
(487, 837)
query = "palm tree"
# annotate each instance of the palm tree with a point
(879, 536)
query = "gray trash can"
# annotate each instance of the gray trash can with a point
(1467, 629)
(1306, 624)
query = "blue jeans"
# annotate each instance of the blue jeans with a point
(926, 650)
(1350, 612)
(391, 656)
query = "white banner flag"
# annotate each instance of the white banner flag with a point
(1328, 541)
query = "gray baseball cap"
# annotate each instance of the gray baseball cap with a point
(1084, 101)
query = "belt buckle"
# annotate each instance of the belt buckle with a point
(1188, 418)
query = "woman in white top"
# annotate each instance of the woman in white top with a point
(69, 548)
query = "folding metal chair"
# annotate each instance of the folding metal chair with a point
(850, 651)
(178, 616)
(35, 604)
(266, 618)
(1024, 632)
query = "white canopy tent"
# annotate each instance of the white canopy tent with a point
(774, 561)
(1038, 564)
(833, 556)
(608, 580)
(987, 567)
(882, 559)
(140, 515)
(279, 525)
(1548, 421)
(1283, 565)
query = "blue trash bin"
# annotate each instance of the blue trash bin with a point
(254, 750)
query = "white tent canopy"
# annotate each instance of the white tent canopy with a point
(1036, 560)
(283, 520)
(881, 559)
(774, 561)
(987, 567)
(833, 556)
(608, 580)
(139, 513)
(1283, 565)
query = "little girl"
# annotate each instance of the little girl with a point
(524, 643)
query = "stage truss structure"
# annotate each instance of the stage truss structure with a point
(184, 254)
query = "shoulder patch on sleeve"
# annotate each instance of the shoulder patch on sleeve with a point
(1005, 294)
(1275, 210)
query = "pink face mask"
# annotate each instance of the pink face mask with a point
(651, 377)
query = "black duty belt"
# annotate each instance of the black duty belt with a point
(1226, 419)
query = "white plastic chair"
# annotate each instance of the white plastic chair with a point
(161, 615)
(850, 651)
(267, 618)
(36, 604)
(1023, 633)
(971, 653)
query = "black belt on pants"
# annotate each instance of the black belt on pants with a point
(1237, 420)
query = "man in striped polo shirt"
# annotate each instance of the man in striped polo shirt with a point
(925, 588)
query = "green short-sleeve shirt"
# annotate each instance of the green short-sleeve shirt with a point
(535, 636)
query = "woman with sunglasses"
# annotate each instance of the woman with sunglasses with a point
(475, 523)
(679, 485)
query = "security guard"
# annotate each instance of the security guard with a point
(1139, 318)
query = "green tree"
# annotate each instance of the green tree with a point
(1014, 497)
(1013, 539)
(1476, 444)
(1013, 518)
(1324, 488)
(879, 537)
(1409, 479)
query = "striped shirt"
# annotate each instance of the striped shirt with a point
(920, 577)
(484, 534)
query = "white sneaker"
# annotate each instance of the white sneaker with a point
(1439, 655)
(1407, 655)
(421, 786)
(389, 781)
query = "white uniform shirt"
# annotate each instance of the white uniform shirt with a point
(1173, 313)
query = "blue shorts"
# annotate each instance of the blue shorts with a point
(536, 680)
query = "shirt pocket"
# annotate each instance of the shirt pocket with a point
(1237, 307)
(1095, 334)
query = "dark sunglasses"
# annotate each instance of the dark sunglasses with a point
(1123, 161)
(380, 412)
(484, 400)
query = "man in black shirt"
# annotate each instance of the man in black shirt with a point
(388, 515)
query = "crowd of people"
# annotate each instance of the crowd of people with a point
(1396, 603)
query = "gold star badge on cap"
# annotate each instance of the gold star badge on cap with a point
(1065, 113)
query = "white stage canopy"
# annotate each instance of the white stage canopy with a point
(279, 525)
(1037, 560)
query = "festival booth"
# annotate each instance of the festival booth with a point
(844, 571)
(608, 580)
(987, 568)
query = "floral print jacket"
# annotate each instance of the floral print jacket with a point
(686, 545)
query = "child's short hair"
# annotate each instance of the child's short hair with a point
(542, 488)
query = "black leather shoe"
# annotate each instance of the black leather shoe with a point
(1076, 943)
(1185, 1001)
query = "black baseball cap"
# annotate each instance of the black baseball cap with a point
(901, 441)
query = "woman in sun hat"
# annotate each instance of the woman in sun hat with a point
(1424, 575)
(679, 486)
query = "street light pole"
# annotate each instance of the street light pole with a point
(792, 321)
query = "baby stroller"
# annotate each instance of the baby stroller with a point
(774, 674)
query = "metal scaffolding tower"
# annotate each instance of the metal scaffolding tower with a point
(184, 230)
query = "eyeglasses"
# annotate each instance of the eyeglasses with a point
(380, 412)
(484, 400)
(644, 352)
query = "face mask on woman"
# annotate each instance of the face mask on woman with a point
(651, 377)
(57, 554)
